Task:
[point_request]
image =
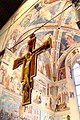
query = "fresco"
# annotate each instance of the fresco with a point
(26, 21)
(42, 94)
(8, 103)
(44, 65)
(69, 18)
(44, 17)
(39, 92)
(22, 51)
(44, 35)
(44, 115)
(62, 71)
(13, 38)
(54, 98)
(62, 98)
(67, 40)
(2, 74)
(10, 82)
(30, 113)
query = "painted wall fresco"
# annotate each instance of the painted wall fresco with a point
(69, 18)
(9, 104)
(54, 98)
(13, 38)
(62, 98)
(62, 71)
(10, 82)
(46, 14)
(42, 94)
(67, 40)
(41, 14)
(44, 65)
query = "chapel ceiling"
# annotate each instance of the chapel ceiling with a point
(58, 20)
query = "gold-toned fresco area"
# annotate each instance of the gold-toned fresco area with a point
(50, 96)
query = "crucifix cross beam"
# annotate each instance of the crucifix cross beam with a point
(29, 61)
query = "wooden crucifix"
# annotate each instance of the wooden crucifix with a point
(29, 61)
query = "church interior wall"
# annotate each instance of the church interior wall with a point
(50, 98)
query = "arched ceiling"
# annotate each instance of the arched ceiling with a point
(63, 30)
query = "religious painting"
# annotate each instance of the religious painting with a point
(39, 92)
(61, 104)
(3, 71)
(37, 97)
(26, 94)
(23, 49)
(15, 84)
(10, 82)
(76, 38)
(6, 115)
(29, 62)
(66, 41)
(8, 103)
(13, 38)
(40, 19)
(69, 18)
(62, 73)
(44, 65)
(40, 85)
(28, 112)
(44, 35)
(62, 98)
(46, 15)
(26, 21)
(36, 113)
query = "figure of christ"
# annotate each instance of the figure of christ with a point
(29, 64)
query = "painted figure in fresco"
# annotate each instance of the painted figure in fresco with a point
(26, 93)
(66, 42)
(69, 39)
(62, 73)
(7, 81)
(29, 61)
(2, 74)
(26, 21)
(61, 101)
(13, 38)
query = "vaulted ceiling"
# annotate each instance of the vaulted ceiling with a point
(7, 9)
